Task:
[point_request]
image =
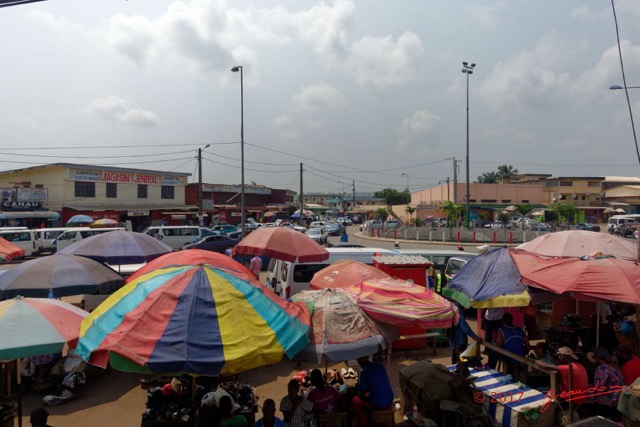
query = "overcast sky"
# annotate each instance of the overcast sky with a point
(358, 91)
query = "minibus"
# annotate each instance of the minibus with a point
(25, 239)
(177, 236)
(77, 234)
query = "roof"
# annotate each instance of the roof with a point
(94, 167)
(622, 179)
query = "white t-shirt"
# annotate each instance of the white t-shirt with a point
(493, 313)
(605, 312)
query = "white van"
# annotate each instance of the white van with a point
(439, 257)
(621, 220)
(26, 239)
(177, 236)
(289, 278)
(76, 234)
(46, 237)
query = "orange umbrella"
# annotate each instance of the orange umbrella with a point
(9, 251)
(190, 257)
(104, 222)
(345, 272)
(281, 243)
(575, 243)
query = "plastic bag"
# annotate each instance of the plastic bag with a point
(470, 352)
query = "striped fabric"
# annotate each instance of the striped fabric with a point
(506, 401)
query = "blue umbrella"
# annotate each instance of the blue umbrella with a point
(80, 219)
(119, 247)
(489, 280)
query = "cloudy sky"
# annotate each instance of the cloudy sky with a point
(357, 91)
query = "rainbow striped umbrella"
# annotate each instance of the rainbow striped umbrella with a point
(190, 319)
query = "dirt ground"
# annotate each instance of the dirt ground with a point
(117, 398)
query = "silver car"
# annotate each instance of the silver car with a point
(318, 234)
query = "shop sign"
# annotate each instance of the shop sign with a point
(81, 175)
(7, 194)
(138, 212)
(172, 180)
(248, 189)
(21, 205)
(116, 176)
(208, 205)
(32, 194)
(236, 214)
(146, 179)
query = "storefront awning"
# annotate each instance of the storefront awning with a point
(617, 203)
(30, 214)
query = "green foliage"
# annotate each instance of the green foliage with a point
(488, 178)
(523, 209)
(453, 210)
(504, 218)
(410, 210)
(565, 212)
(394, 197)
(382, 213)
(506, 171)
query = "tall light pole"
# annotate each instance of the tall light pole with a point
(200, 185)
(404, 174)
(633, 126)
(617, 87)
(467, 69)
(242, 199)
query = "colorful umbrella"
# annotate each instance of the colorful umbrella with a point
(191, 257)
(59, 274)
(9, 251)
(191, 319)
(488, 280)
(37, 326)
(403, 303)
(281, 243)
(104, 222)
(119, 247)
(339, 329)
(575, 243)
(80, 219)
(345, 272)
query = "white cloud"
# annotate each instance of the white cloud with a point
(115, 109)
(417, 127)
(281, 121)
(318, 97)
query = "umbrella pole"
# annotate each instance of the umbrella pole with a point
(598, 324)
(192, 419)
(19, 382)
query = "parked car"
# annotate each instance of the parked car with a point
(226, 228)
(586, 226)
(392, 223)
(495, 225)
(373, 223)
(537, 226)
(318, 234)
(215, 243)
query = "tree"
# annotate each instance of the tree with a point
(565, 212)
(488, 178)
(506, 172)
(382, 213)
(410, 210)
(394, 197)
(453, 211)
(523, 210)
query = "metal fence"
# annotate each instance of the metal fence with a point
(459, 234)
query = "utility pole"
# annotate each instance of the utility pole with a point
(353, 186)
(455, 180)
(448, 191)
(301, 197)
(200, 185)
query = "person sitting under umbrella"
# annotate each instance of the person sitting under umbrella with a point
(512, 338)
(293, 406)
(227, 418)
(269, 418)
(324, 397)
(375, 391)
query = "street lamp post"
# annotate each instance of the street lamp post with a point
(242, 199)
(617, 87)
(404, 174)
(467, 69)
(633, 126)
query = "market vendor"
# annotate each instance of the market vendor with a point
(375, 390)
(324, 398)
(580, 381)
(293, 406)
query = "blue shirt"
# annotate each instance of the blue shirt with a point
(375, 381)
(461, 331)
(278, 423)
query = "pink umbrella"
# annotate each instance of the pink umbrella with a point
(281, 243)
(575, 243)
(345, 272)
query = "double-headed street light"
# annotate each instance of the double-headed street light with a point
(404, 174)
(467, 69)
(633, 126)
(617, 87)
(242, 200)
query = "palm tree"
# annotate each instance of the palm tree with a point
(410, 210)
(488, 178)
(506, 172)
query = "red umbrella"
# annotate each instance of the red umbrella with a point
(190, 257)
(604, 278)
(9, 251)
(345, 272)
(281, 243)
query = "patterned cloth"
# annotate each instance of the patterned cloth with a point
(298, 418)
(608, 377)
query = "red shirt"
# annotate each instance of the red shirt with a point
(631, 370)
(580, 380)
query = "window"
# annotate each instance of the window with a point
(550, 184)
(593, 184)
(506, 201)
(487, 201)
(566, 183)
(525, 200)
(142, 191)
(167, 192)
(85, 189)
(112, 190)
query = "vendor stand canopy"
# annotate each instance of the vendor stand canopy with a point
(281, 243)
(78, 220)
(402, 303)
(345, 272)
(339, 329)
(9, 251)
(197, 320)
